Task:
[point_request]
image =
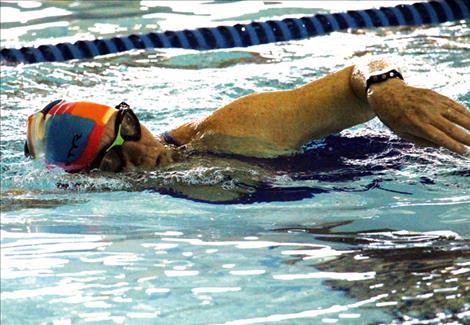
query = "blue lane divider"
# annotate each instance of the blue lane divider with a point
(244, 35)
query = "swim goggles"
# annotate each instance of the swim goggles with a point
(126, 128)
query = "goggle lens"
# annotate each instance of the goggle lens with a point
(130, 126)
(111, 162)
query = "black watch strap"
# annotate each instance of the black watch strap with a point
(378, 78)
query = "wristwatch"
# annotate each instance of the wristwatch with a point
(378, 78)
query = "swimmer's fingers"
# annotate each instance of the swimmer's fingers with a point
(453, 130)
(454, 121)
(421, 115)
(454, 106)
(441, 138)
(459, 117)
(438, 121)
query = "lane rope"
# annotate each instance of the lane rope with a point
(244, 35)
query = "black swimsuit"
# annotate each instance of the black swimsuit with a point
(169, 139)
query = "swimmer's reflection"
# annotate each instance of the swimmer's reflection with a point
(420, 276)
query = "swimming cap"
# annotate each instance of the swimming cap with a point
(67, 133)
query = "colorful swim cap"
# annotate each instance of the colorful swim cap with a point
(67, 133)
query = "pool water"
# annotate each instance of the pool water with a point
(362, 228)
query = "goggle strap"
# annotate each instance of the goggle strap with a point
(119, 141)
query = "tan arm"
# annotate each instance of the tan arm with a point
(279, 122)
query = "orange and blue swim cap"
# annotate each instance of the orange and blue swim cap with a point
(67, 134)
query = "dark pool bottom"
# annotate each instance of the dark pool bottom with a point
(419, 276)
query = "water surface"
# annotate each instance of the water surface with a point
(362, 228)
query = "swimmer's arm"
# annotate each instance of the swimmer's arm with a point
(420, 115)
(273, 123)
(278, 122)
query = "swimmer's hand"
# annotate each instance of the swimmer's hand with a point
(421, 115)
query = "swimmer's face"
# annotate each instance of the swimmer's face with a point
(144, 153)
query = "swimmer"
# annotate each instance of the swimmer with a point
(81, 136)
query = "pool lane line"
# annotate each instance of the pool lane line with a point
(245, 35)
